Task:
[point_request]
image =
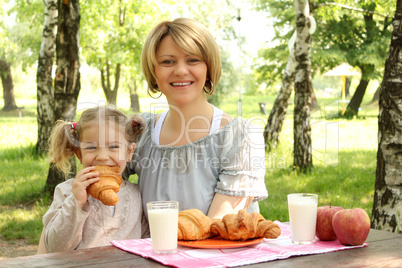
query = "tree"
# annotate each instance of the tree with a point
(8, 85)
(112, 36)
(280, 108)
(372, 33)
(5, 65)
(67, 83)
(134, 98)
(302, 152)
(20, 42)
(7, 57)
(387, 206)
(342, 35)
(44, 76)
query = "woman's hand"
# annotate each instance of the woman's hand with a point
(84, 178)
(225, 204)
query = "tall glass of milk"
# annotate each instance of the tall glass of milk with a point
(302, 216)
(163, 217)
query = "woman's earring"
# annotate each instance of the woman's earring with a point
(211, 90)
(149, 93)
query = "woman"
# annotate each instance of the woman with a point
(194, 153)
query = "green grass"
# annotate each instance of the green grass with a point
(344, 159)
(22, 179)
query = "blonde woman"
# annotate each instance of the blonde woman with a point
(194, 152)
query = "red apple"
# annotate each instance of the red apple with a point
(324, 230)
(351, 226)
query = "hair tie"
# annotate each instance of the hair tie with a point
(134, 124)
(73, 128)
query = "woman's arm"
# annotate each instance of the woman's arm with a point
(242, 171)
(225, 204)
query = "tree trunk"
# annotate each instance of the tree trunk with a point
(111, 94)
(279, 110)
(348, 81)
(302, 151)
(353, 107)
(314, 103)
(8, 85)
(67, 79)
(387, 206)
(367, 69)
(134, 98)
(44, 76)
(376, 96)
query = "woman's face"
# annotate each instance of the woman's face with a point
(180, 76)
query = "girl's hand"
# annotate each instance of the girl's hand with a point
(84, 178)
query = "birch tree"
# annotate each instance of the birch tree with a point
(44, 75)
(387, 206)
(302, 150)
(67, 77)
(346, 33)
(279, 110)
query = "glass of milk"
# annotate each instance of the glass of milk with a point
(163, 217)
(302, 216)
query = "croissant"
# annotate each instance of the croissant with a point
(193, 225)
(243, 226)
(107, 187)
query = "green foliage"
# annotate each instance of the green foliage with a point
(112, 32)
(342, 35)
(23, 37)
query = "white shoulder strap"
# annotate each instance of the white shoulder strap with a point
(216, 120)
(158, 127)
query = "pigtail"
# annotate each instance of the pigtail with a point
(134, 128)
(62, 144)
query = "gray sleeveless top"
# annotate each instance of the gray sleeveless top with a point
(231, 161)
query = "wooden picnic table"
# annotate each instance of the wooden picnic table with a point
(384, 250)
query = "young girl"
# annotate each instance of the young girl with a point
(102, 136)
(194, 153)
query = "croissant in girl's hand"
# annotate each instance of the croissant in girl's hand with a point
(107, 187)
(193, 225)
(243, 226)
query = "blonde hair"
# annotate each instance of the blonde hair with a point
(193, 38)
(65, 137)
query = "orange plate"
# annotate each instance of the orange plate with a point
(218, 242)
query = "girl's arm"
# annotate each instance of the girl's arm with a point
(64, 221)
(225, 204)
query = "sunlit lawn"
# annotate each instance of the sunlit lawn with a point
(344, 158)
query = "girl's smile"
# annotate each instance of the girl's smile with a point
(104, 144)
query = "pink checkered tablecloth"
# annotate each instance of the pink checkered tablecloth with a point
(268, 250)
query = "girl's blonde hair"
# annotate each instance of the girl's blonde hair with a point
(66, 136)
(193, 38)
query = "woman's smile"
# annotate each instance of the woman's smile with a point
(181, 84)
(180, 76)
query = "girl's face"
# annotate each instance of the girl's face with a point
(104, 143)
(180, 76)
